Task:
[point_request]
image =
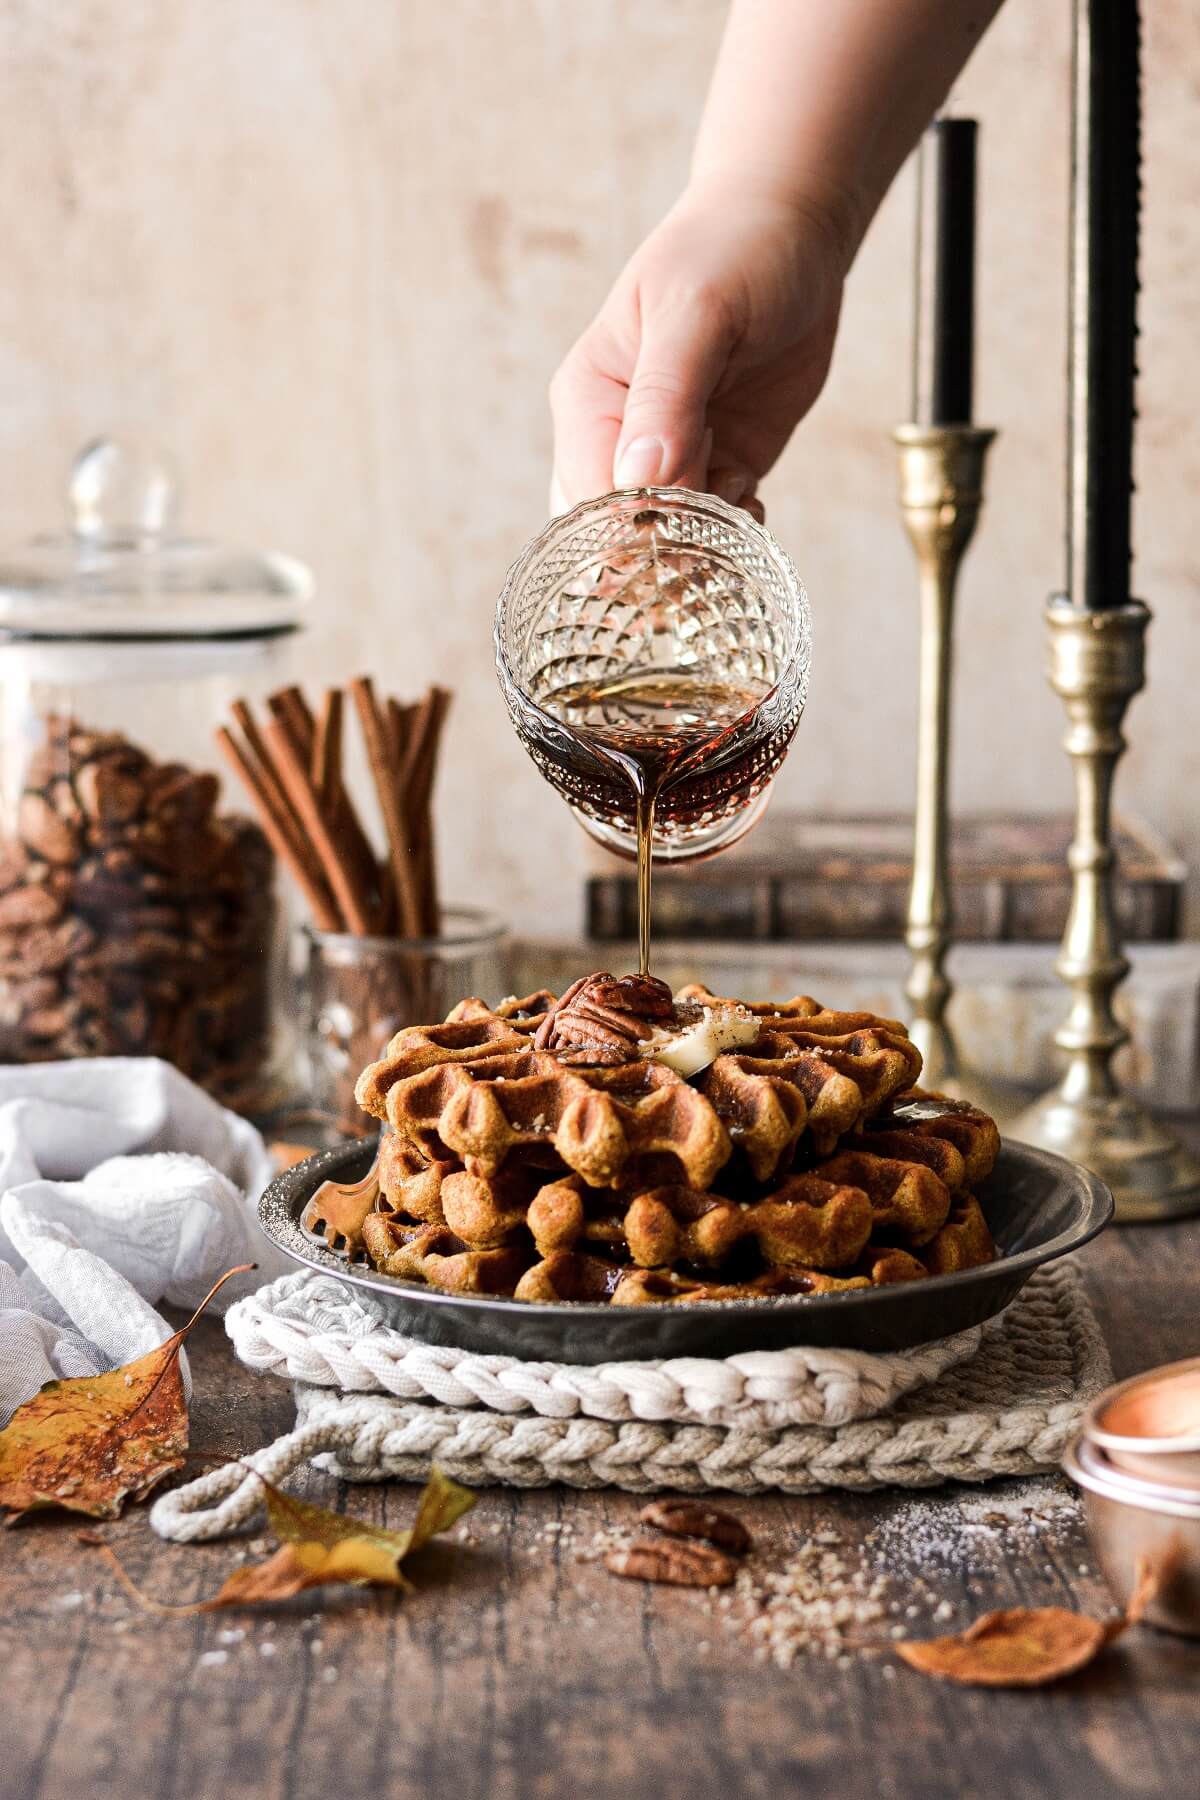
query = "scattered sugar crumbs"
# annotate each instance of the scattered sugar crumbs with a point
(818, 1604)
(967, 1533)
(836, 1598)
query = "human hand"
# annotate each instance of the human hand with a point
(712, 345)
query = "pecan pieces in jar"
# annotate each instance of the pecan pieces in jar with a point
(134, 920)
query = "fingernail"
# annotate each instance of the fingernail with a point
(639, 462)
(731, 486)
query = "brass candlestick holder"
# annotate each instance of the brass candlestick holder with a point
(941, 492)
(1096, 666)
(1097, 632)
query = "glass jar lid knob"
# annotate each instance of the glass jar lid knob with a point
(123, 492)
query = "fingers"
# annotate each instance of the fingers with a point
(682, 354)
(587, 401)
(630, 411)
(731, 481)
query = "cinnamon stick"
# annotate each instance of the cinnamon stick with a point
(399, 721)
(291, 709)
(326, 765)
(291, 765)
(279, 831)
(423, 743)
(325, 775)
(259, 752)
(391, 804)
(419, 775)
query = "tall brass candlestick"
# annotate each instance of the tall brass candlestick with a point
(941, 491)
(1096, 667)
(1097, 631)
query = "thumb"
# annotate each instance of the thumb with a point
(683, 352)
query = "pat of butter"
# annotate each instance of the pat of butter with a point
(691, 1046)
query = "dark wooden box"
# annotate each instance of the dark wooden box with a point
(798, 878)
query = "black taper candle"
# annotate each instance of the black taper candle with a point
(944, 327)
(1101, 367)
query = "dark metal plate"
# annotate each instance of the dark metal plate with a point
(1038, 1206)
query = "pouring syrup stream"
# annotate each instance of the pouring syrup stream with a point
(656, 726)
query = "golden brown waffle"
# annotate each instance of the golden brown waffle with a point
(506, 1172)
(606, 1124)
(524, 1015)
(432, 1254)
(908, 1201)
(409, 1183)
(570, 1275)
(473, 1087)
(964, 1242)
(771, 1093)
(953, 1137)
(801, 1016)
(807, 1223)
(459, 1040)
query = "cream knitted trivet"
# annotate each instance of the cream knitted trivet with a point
(1001, 1399)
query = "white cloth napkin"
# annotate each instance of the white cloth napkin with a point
(121, 1184)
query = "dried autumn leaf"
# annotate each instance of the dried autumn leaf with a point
(1147, 1579)
(89, 1443)
(1029, 1646)
(304, 1526)
(286, 1155)
(321, 1548)
(1024, 1646)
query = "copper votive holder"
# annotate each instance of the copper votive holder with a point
(1135, 1524)
(1149, 1426)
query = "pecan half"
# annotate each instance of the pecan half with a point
(29, 905)
(44, 831)
(689, 1519)
(665, 1560)
(603, 1018)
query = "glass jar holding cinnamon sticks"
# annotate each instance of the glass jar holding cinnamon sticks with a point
(359, 991)
(380, 951)
(136, 907)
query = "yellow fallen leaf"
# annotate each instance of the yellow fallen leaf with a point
(89, 1443)
(320, 1548)
(299, 1521)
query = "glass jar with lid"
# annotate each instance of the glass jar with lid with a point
(136, 907)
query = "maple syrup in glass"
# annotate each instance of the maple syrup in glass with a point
(653, 650)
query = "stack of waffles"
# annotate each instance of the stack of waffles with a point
(550, 1151)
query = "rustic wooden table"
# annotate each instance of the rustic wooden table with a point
(517, 1669)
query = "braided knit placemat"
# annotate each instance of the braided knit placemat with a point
(372, 1405)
